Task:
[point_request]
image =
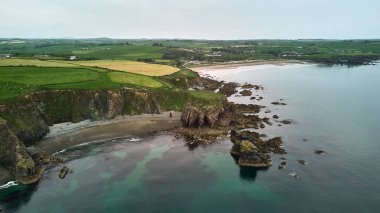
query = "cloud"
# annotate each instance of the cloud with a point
(210, 19)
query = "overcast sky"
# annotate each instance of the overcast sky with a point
(198, 19)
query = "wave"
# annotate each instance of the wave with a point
(9, 184)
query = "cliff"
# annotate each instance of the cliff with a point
(15, 157)
(27, 119)
(203, 115)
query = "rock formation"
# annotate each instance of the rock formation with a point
(252, 151)
(15, 157)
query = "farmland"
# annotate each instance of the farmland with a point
(33, 64)
(19, 80)
(131, 66)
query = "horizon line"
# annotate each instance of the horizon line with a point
(199, 39)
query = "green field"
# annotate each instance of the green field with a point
(44, 76)
(15, 81)
(133, 79)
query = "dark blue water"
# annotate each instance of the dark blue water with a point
(336, 109)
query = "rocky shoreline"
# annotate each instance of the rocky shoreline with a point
(202, 123)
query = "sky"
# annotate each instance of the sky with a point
(191, 19)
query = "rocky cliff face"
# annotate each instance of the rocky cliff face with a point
(27, 119)
(204, 116)
(200, 116)
(30, 117)
(14, 155)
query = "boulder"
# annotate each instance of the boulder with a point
(63, 172)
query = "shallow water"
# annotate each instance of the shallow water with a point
(335, 108)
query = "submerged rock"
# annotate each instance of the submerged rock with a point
(293, 174)
(278, 103)
(63, 172)
(303, 162)
(266, 120)
(275, 116)
(319, 152)
(287, 121)
(246, 93)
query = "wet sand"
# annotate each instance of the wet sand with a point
(121, 127)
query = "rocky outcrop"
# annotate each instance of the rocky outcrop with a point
(246, 93)
(252, 151)
(15, 157)
(202, 116)
(229, 89)
(243, 108)
(196, 136)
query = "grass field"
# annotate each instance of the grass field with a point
(15, 81)
(34, 62)
(43, 76)
(131, 66)
(133, 79)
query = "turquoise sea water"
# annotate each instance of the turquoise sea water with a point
(336, 109)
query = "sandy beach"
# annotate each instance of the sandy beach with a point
(230, 65)
(121, 127)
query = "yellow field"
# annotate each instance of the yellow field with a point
(131, 66)
(34, 62)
